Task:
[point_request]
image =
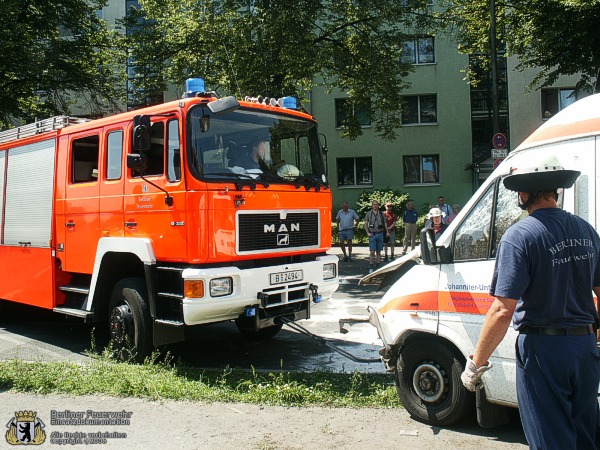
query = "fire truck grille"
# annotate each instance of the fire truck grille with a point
(267, 232)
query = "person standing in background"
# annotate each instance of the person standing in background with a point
(446, 209)
(376, 229)
(455, 211)
(390, 219)
(345, 219)
(410, 217)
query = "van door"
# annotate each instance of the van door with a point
(465, 283)
(147, 213)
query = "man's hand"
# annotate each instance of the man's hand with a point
(471, 377)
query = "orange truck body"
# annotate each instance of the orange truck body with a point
(76, 219)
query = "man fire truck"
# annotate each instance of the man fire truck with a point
(148, 219)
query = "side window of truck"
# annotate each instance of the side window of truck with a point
(472, 237)
(114, 155)
(173, 153)
(85, 151)
(156, 154)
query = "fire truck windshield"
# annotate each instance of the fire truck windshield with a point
(253, 145)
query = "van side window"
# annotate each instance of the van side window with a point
(85, 153)
(114, 155)
(173, 153)
(507, 213)
(472, 237)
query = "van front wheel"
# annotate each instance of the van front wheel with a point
(428, 383)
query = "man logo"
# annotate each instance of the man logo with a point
(282, 228)
(283, 239)
(25, 428)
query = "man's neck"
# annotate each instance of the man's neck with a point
(543, 203)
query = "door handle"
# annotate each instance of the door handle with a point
(131, 224)
(70, 224)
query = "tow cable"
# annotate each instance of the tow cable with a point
(300, 329)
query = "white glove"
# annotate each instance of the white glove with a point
(471, 377)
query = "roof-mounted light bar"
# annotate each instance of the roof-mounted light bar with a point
(283, 102)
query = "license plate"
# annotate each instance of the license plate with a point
(286, 277)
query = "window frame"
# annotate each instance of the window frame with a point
(419, 112)
(416, 54)
(367, 164)
(421, 181)
(341, 111)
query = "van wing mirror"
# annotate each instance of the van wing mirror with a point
(428, 250)
(224, 105)
(141, 133)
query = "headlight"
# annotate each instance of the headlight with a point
(329, 271)
(221, 286)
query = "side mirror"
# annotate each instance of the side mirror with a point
(428, 250)
(224, 105)
(323, 143)
(141, 133)
(135, 161)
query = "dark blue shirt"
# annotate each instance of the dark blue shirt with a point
(549, 262)
(410, 216)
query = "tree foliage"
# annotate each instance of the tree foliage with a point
(55, 52)
(554, 37)
(285, 47)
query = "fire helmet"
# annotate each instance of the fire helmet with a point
(435, 212)
(547, 175)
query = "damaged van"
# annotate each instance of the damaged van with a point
(432, 312)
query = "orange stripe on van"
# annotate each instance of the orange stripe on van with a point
(562, 131)
(453, 301)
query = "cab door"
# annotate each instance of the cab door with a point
(148, 212)
(112, 188)
(81, 206)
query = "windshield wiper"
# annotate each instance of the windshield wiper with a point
(271, 176)
(311, 181)
(244, 178)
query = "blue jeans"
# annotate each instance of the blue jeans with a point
(376, 242)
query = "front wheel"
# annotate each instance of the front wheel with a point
(428, 383)
(130, 321)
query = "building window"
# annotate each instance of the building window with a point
(355, 171)
(421, 169)
(554, 100)
(418, 109)
(344, 108)
(419, 51)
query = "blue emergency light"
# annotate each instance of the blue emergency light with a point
(193, 86)
(289, 102)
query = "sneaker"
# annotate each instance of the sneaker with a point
(370, 270)
(350, 258)
(392, 258)
(346, 259)
(385, 259)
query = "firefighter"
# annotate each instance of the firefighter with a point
(546, 269)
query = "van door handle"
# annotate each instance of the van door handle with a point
(131, 224)
(70, 224)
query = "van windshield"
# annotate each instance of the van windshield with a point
(250, 145)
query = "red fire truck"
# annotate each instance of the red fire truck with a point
(187, 213)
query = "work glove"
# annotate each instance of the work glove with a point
(471, 377)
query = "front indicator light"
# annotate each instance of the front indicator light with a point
(221, 286)
(329, 271)
(193, 288)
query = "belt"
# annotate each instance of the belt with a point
(551, 331)
(376, 232)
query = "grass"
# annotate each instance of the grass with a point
(164, 379)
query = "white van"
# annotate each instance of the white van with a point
(431, 316)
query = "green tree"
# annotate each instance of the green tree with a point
(285, 47)
(554, 37)
(56, 52)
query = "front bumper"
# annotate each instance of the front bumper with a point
(252, 287)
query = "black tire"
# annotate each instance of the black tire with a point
(130, 324)
(428, 383)
(264, 334)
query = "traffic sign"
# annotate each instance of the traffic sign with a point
(499, 140)
(499, 153)
(497, 162)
